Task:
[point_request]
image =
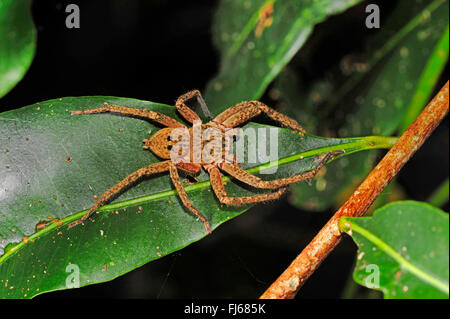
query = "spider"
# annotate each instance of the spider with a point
(161, 145)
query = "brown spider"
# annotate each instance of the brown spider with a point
(161, 145)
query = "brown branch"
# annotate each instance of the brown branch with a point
(292, 279)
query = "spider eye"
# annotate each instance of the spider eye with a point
(169, 147)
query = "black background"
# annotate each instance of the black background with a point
(156, 50)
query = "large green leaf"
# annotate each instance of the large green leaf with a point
(377, 100)
(17, 42)
(402, 250)
(255, 49)
(53, 164)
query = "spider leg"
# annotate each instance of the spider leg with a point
(186, 111)
(244, 111)
(142, 113)
(184, 197)
(237, 172)
(126, 182)
(229, 112)
(219, 189)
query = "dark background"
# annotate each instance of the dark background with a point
(156, 50)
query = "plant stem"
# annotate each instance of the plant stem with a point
(293, 278)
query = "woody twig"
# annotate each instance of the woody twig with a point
(292, 279)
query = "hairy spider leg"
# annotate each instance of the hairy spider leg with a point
(184, 197)
(246, 110)
(142, 113)
(227, 119)
(185, 111)
(229, 112)
(237, 172)
(218, 187)
(123, 184)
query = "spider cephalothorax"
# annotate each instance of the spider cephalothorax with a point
(160, 143)
(178, 146)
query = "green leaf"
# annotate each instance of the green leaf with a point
(428, 79)
(53, 164)
(255, 49)
(377, 100)
(402, 250)
(17, 42)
